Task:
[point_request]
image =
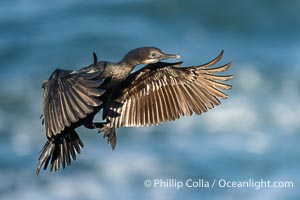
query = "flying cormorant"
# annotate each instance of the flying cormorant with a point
(157, 93)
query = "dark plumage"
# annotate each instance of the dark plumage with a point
(157, 93)
(72, 98)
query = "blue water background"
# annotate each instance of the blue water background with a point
(252, 135)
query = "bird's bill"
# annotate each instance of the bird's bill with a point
(163, 56)
(168, 56)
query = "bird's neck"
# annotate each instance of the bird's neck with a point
(119, 71)
(127, 65)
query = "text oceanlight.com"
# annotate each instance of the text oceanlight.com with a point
(217, 183)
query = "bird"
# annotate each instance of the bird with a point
(71, 98)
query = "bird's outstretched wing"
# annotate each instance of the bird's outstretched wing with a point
(68, 97)
(163, 92)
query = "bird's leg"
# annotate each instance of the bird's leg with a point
(110, 134)
(94, 125)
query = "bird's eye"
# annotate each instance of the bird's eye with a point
(153, 54)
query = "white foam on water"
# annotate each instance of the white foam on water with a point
(237, 115)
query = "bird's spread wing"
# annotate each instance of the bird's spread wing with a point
(163, 92)
(68, 97)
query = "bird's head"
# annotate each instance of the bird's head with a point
(148, 55)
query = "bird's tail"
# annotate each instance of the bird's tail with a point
(59, 149)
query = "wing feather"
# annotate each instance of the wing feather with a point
(90, 100)
(205, 100)
(176, 108)
(134, 113)
(86, 109)
(66, 119)
(186, 100)
(162, 111)
(55, 118)
(218, 85)
(167, 107)
(147, 105)
(158, 103)
(197, 101)
(217, 69)
(51, 121)
(213, 91)
(69, 108)
(59, 114)
(182, 101)
(173, 106)
(127, 113)
(75, 107)
(212, 62)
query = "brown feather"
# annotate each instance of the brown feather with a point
(186, 100)
(62, 156)
(178, 111)
(196, 99)
(78, 112)
(218, 69)
(212, 62)
(202, 97)
(155, 111)
(69, 109)
(151, 107)
(67, 155)
(66, 119)
(86, 109)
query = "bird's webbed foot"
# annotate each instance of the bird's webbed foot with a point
(110, 134)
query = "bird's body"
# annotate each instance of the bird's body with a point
(157, 93)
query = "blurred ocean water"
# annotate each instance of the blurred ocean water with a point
(252, 135)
